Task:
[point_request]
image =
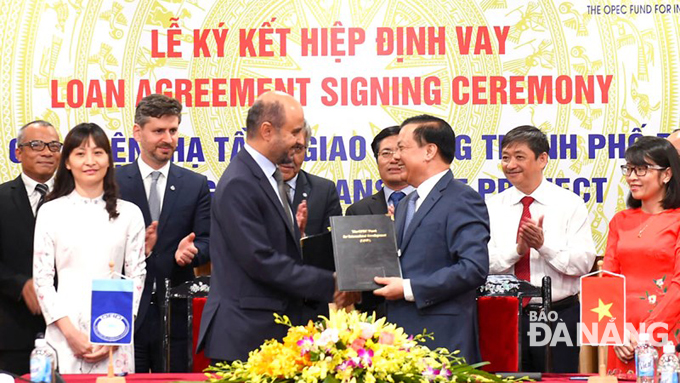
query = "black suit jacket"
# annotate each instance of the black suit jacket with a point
(257, 267)
(322, 204)
(373, 204)
(186, 209)
(18, 326)
(322, 201)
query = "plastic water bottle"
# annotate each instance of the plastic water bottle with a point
(646, 358)
(42, 362)
(668, 365)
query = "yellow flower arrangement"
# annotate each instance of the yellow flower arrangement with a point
(348, 347)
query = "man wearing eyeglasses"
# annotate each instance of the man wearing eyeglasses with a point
(38, 150)
(384, 201)
(314, 200)
(394, 187)
(539, 229)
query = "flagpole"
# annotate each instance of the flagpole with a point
(110, 377)
(602, 376)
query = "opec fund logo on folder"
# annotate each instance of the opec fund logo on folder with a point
(111, 319)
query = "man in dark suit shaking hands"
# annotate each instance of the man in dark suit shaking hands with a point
(255, 244)
(175, 203)
(442, 232)
(38, 150)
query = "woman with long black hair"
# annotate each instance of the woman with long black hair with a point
(79, 231)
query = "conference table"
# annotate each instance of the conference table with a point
(200, 377)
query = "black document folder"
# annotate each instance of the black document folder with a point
(317, 250)
(364, 247)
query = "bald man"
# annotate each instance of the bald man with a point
(255, 245)
(674, 139)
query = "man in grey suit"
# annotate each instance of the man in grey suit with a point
(442, 232)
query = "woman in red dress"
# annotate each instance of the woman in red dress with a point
(644, 245)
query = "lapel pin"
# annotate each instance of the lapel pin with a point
(172, 187)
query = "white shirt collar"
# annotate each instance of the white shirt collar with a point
(145, 169)
(540, 195)
(293, 181)
(388, 191)
(426, 187)
(263, 162)
(30, 183)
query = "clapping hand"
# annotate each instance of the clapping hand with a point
(150, 237)
(186, 251)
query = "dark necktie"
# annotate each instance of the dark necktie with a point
(522, 267)
(288, 188)
(42, 189)
(410, 211)
(154, 198)
(395, 197)
(283, 196)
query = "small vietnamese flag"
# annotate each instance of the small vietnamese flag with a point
(603, 309)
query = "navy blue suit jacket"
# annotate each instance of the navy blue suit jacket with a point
(257, 267)
(186, 209)
(444, 253)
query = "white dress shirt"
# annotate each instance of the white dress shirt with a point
(268, 168)
(423, 190)
(145, 171)
(34, 195)
(568, 251)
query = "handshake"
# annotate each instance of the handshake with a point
(344, 299)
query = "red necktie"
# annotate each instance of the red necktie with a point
(522, 267)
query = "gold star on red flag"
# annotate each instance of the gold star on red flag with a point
(602, 310)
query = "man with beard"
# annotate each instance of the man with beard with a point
(257, 266)
(175, 203)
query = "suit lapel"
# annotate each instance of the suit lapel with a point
(137, 191)
(427, 205)
(20, 199)
(173, 188)
(378, 204)
(267, 187)
(303, 189)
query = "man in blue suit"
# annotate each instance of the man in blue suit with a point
(175, 203)
(255, 244)
(442, 232)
